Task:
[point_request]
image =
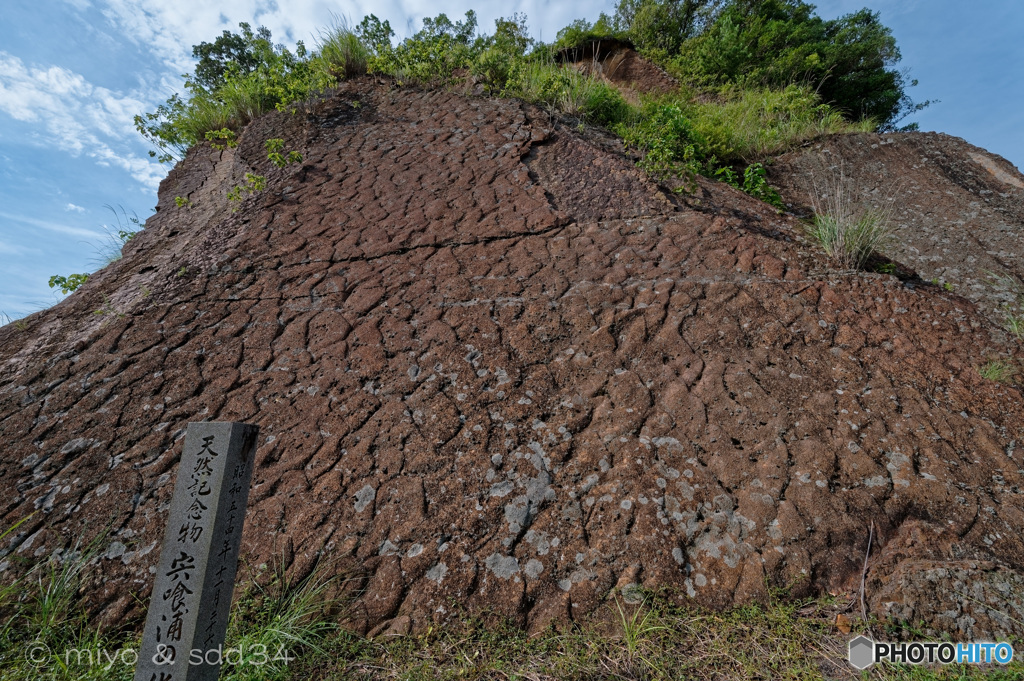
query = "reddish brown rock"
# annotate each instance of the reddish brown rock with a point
(957, 210)
(493, 364)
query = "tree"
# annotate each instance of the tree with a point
(434, 53)
(375, 34)
(582, 31)
(511, 35)
(664, 24)
(849, 61)
(230, 52)
(237, 77)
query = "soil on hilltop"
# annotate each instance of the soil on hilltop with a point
(616, 62)
(494, 364)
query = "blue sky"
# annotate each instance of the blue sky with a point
(73, 73)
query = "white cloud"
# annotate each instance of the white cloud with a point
(169, 29)
(79, 117)
(72, 207)
(55, 227)
(10, 249)
(75, 116)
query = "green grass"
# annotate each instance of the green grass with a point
(568, 91)
(273, 625)
(850, 239)
(109, 250)
(652, 640)
(849, 230)
(748, 125)
(45, 632)
(285, 629)
(998, 370)
(1015, 324)
(340, 52)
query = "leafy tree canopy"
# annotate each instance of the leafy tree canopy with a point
(237, 54)
(237, 77)
(849, 61)
(664, 25)
(375, 34)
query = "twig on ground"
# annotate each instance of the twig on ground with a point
(864, 572)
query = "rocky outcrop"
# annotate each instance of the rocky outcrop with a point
(957, 210)
(494, 364)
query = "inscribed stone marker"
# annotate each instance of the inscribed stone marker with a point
(188, 612)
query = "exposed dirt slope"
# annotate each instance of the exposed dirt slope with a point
(494, 365)
(958, 209)
(617, 62)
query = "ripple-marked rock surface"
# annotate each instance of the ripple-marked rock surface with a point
(495, 365)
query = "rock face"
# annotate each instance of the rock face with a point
(958, 210)
(493, 364)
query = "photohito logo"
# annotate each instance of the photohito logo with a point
(864, 652)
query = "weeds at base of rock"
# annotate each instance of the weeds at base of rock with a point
(289, 629)
(45, 632)
(656, 639)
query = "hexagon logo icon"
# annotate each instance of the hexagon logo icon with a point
(862, 652)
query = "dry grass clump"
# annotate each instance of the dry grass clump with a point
(848, 228)
(341, 53)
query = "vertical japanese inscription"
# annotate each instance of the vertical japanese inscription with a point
(188, 612)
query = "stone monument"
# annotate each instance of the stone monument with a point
(188, 613)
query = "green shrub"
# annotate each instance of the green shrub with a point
(582, 31)
(748, 125)
(69, 283)
(755, 183)
(492, 66)
(239, 78)
(274, 147)
(433, 54)
(662, 26)
(499, 53)
(604, 105)
(775, 43)
(666, 138)
(375, 34)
